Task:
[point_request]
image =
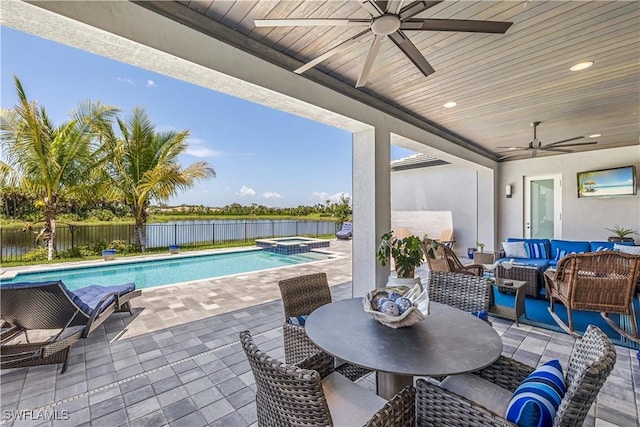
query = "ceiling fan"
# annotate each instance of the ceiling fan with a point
(536, 144)
(388, 19)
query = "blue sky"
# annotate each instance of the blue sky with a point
(260, 155)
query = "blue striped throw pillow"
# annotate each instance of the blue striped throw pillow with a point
(537, 398)
(536, 250)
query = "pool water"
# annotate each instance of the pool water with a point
(151, 273)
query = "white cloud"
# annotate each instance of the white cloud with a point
(271, 195)
(201, 152)
(197, 148)
(246, 191)
(127, 80)
(151, 83)
(323, 196)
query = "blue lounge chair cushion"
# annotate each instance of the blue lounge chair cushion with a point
(85, 299)
(346, 231)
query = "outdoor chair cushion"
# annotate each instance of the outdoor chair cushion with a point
(297, 320)
(483, 392)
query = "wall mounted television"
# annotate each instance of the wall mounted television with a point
(607, 182)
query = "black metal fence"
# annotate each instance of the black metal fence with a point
(16, 242)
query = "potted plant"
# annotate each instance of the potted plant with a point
(407, 254)
(621, 234)
(480, 246)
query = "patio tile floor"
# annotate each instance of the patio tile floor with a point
(177, 360)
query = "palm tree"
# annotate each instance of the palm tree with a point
(51, 163)
(143, 167)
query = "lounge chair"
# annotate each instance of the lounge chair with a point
(346, 232)
(41, 321)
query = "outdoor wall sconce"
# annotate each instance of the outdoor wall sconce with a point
(507, 191)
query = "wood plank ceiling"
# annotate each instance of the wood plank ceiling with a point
(501, 82)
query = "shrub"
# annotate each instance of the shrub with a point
(37, 254)
(100, 214)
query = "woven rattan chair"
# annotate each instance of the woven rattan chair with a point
(462, 291)
(41, 321)
(300, 296)
(595, 281)
(488, 391)
(311, 394)
(444, 259)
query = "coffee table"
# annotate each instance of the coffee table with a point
(449, 341)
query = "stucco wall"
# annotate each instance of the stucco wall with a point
(441, 188)
(582, 219)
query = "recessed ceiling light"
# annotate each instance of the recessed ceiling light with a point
(450, 104)
(595, 135)
(581, 66)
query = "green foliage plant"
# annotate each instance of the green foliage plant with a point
(407, 253)
(143, 166)
(621, 232)
(50, 163)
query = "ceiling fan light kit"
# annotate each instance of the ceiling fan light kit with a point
(388, 20)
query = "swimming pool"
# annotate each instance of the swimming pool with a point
(151, 273)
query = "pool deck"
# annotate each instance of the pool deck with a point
(177, 360)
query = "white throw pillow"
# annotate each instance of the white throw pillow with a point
(633, 250)
(514, 249)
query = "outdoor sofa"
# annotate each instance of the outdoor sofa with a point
(532, 257)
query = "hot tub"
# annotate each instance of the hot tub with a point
(291, 245)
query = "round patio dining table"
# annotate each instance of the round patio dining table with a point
(449, 341)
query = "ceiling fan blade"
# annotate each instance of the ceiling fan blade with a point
(395, 6)
(333, 51)
(575, 144)
(512, 149)
(412, 52)
(371, 57)
(311, 22)
(375, 8)
(558, 150)
(456, 25)
(415, 8)
(564, 140)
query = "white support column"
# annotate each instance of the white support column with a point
(371, 207)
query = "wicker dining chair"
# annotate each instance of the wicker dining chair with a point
(444, 259)
(310, 393)
(590, 363)
(462, 291)
(300, 296)
(603, 281)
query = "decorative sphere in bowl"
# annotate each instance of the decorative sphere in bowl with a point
(410, 307)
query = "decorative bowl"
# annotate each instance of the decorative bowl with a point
(418, 310)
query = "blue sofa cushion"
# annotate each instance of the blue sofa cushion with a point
(598, 245)
(528, 262)
(569, 246)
